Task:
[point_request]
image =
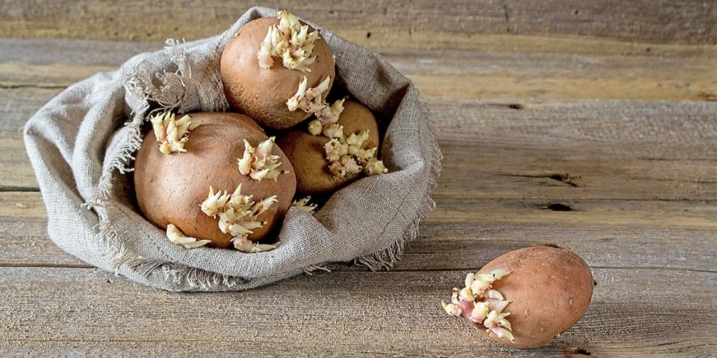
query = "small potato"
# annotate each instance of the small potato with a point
(170, 188)
(308, 155)
(262, 93)
(540, 291)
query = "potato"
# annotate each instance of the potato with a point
(547, 290)
(308, 156)
(170, 188)
(261, 93)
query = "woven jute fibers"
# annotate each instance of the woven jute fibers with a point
(81, 145)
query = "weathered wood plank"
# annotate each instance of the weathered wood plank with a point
(563, 172)
(537, 68)
(71, 311)
(15, 170)
(377, 22)
(555, 150)
(22, 205)
(485, 207)
(38, 63)
(544, 149)
(25, 243)
(46, 76)
(644, 234)
(470, 245)
(24, 239)
(628, 182)
(463, 233)
(16, 107)
(76, 52)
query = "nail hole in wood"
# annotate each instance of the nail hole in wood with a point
(582, 351)
(559, 207)
(368, 35)
(565, 178)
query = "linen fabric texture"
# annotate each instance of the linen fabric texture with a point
(81, 145)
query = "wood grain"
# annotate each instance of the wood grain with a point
(470, 245)
(504, 67)
(376, 23)
(34, 71)
(16, 107)
(81, 311)
(15, 170)
(588, 125)
(466, 233)
(18, 204)
(557, 150)
(627, 171)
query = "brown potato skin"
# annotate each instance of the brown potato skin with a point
(308, 157)
(549, 290)
(262, 94)
(356, 117)
(170, 187)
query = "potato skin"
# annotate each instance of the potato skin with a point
(170, 187)
(356, 117)
(308, 157)
(262, 94)
(549, 290)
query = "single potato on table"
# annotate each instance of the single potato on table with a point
(527, 297)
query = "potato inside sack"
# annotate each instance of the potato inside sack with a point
(330, 154)
(277, 71)
(228, 185)
(526, 297)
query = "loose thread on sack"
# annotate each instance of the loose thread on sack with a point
(190, 278)
(387, 258)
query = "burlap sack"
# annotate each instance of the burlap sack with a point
(81, 145)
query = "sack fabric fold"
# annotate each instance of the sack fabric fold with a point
(81, 145)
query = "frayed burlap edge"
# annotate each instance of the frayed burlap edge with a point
(170, 94)
(197, 279)
(386, 258)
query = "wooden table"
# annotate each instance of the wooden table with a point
(590, 125)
